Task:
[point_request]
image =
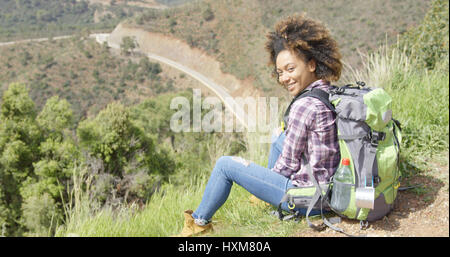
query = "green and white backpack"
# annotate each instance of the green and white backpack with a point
(370, 138)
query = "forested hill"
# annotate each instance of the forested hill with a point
(234, 31)
(40, 18)
(83, 72)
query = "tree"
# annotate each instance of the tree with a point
(37, 155)
(20, 137)
(56, 116)
(128, 45)
(58, 151)
(47, 190)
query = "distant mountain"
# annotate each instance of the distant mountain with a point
(38, 18)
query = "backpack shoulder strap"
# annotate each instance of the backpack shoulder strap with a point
(316, 93)
(322, 96)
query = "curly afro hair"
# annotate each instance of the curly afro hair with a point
(311, 40)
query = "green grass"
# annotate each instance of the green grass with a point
(163, 216)
(419, 100)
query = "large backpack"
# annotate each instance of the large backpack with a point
(370, 138)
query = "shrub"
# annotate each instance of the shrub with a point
(125, 153)
(429, 43)
(41, 215)
(128, 45)
(208, 14)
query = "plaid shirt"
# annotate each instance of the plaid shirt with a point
(311, 130)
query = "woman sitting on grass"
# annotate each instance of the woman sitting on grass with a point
(304, 57)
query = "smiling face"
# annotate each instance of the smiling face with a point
(294, 73)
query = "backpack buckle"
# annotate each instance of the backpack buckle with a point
(375, 136)
(361, 83)
(376, 180)
(363, 224)
(340, 90)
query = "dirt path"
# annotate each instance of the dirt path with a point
(419, 212)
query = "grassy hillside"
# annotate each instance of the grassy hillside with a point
(234, 31)
(81, 71)
(425, 131)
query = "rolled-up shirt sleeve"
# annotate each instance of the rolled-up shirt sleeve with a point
(295, 143)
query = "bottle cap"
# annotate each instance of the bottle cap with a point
(346, 161)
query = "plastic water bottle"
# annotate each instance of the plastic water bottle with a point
(342, 186)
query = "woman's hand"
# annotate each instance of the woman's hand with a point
(278, 131)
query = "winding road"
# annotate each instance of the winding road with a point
(33, 40)
(224, 96)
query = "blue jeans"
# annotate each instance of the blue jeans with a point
(262, 182)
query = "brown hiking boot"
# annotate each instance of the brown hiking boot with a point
(190, 228)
